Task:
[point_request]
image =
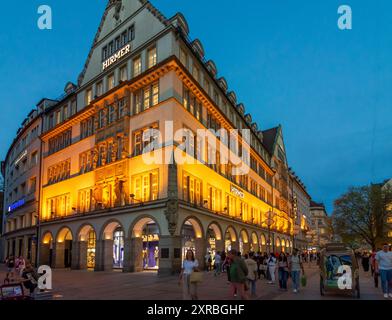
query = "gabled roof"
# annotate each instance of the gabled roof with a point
(110, 4)
(269, 139)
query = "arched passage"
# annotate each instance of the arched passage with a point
(87, 251)
(254, 245)
(214, 238)
(64, 248)
(192, 239)
(145, 248)
(244, 242)
(230, 239)
(283, 245)
(277, 244)
(114, 238)
(263, 243)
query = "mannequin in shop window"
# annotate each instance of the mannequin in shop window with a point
(145, 259)
(156, 257)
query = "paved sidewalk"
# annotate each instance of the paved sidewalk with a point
(89, 285)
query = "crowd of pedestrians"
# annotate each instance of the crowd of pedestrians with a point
(20, 270)
(243, 271)
(379, 263)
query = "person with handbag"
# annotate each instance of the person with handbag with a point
(295, 267)
(190, 276)
(251, 264)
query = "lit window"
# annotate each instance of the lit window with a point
(152, 57)
(123, 73)
(111, 82)
(99, 88)
(89, 96)
(137, 67)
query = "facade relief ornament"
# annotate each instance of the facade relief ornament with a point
(171, 212)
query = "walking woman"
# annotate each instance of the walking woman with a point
(283, 271)
(271, 263)
(189, 265)
(296, 266)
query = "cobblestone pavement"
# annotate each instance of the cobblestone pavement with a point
(89, 285)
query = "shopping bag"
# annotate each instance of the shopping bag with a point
(304, 281)
(196, 277)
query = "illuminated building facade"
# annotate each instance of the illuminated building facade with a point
(301, 209)
(102, 206)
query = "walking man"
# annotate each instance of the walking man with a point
(384, 267)
(238, 273)
(295, 267)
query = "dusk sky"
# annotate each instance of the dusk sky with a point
(287, 61)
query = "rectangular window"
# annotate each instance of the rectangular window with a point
(99, 88)
(111, 82)
(123, 73)
(146, 98)
(131, 33)
(104, 53)
(183, 57)
(192, 189)
(89, 96)
(196, 73)
(152, 57)
(121, 108)
(137, 66)
(124, 38)
(146, 186)
(117, 43)
(112, 114)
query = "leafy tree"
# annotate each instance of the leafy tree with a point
(360, 215)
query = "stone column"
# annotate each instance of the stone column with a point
(246, 247)
(235, 245)
(201, 251)
(99, 254)
(107, 255)
(33, 252)
(82, 255)
(169, 255)
(44, 253)
(77, 255)
(133, 255)
(16, 246)
(25, 247)
(59, 248)
(220, 245)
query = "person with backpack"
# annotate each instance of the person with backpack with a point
(238, 274)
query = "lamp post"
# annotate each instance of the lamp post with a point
(270, 222)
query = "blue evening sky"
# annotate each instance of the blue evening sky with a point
(286, 60)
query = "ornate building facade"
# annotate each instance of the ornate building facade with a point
(102, 205)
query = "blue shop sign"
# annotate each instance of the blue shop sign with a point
(16, 205)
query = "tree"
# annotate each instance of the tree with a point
(360, 215)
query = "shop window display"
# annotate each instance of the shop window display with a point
(118, 249)
(150, 247)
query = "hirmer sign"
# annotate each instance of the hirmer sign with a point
(117, 56)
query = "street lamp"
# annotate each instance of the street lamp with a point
(270, 222)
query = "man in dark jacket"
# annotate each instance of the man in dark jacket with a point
(238, 273)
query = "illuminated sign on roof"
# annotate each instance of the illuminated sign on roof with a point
(16, 205)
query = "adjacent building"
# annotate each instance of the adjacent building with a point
(89, 174)
(320, 229)
(302, 215)
(388, 184)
